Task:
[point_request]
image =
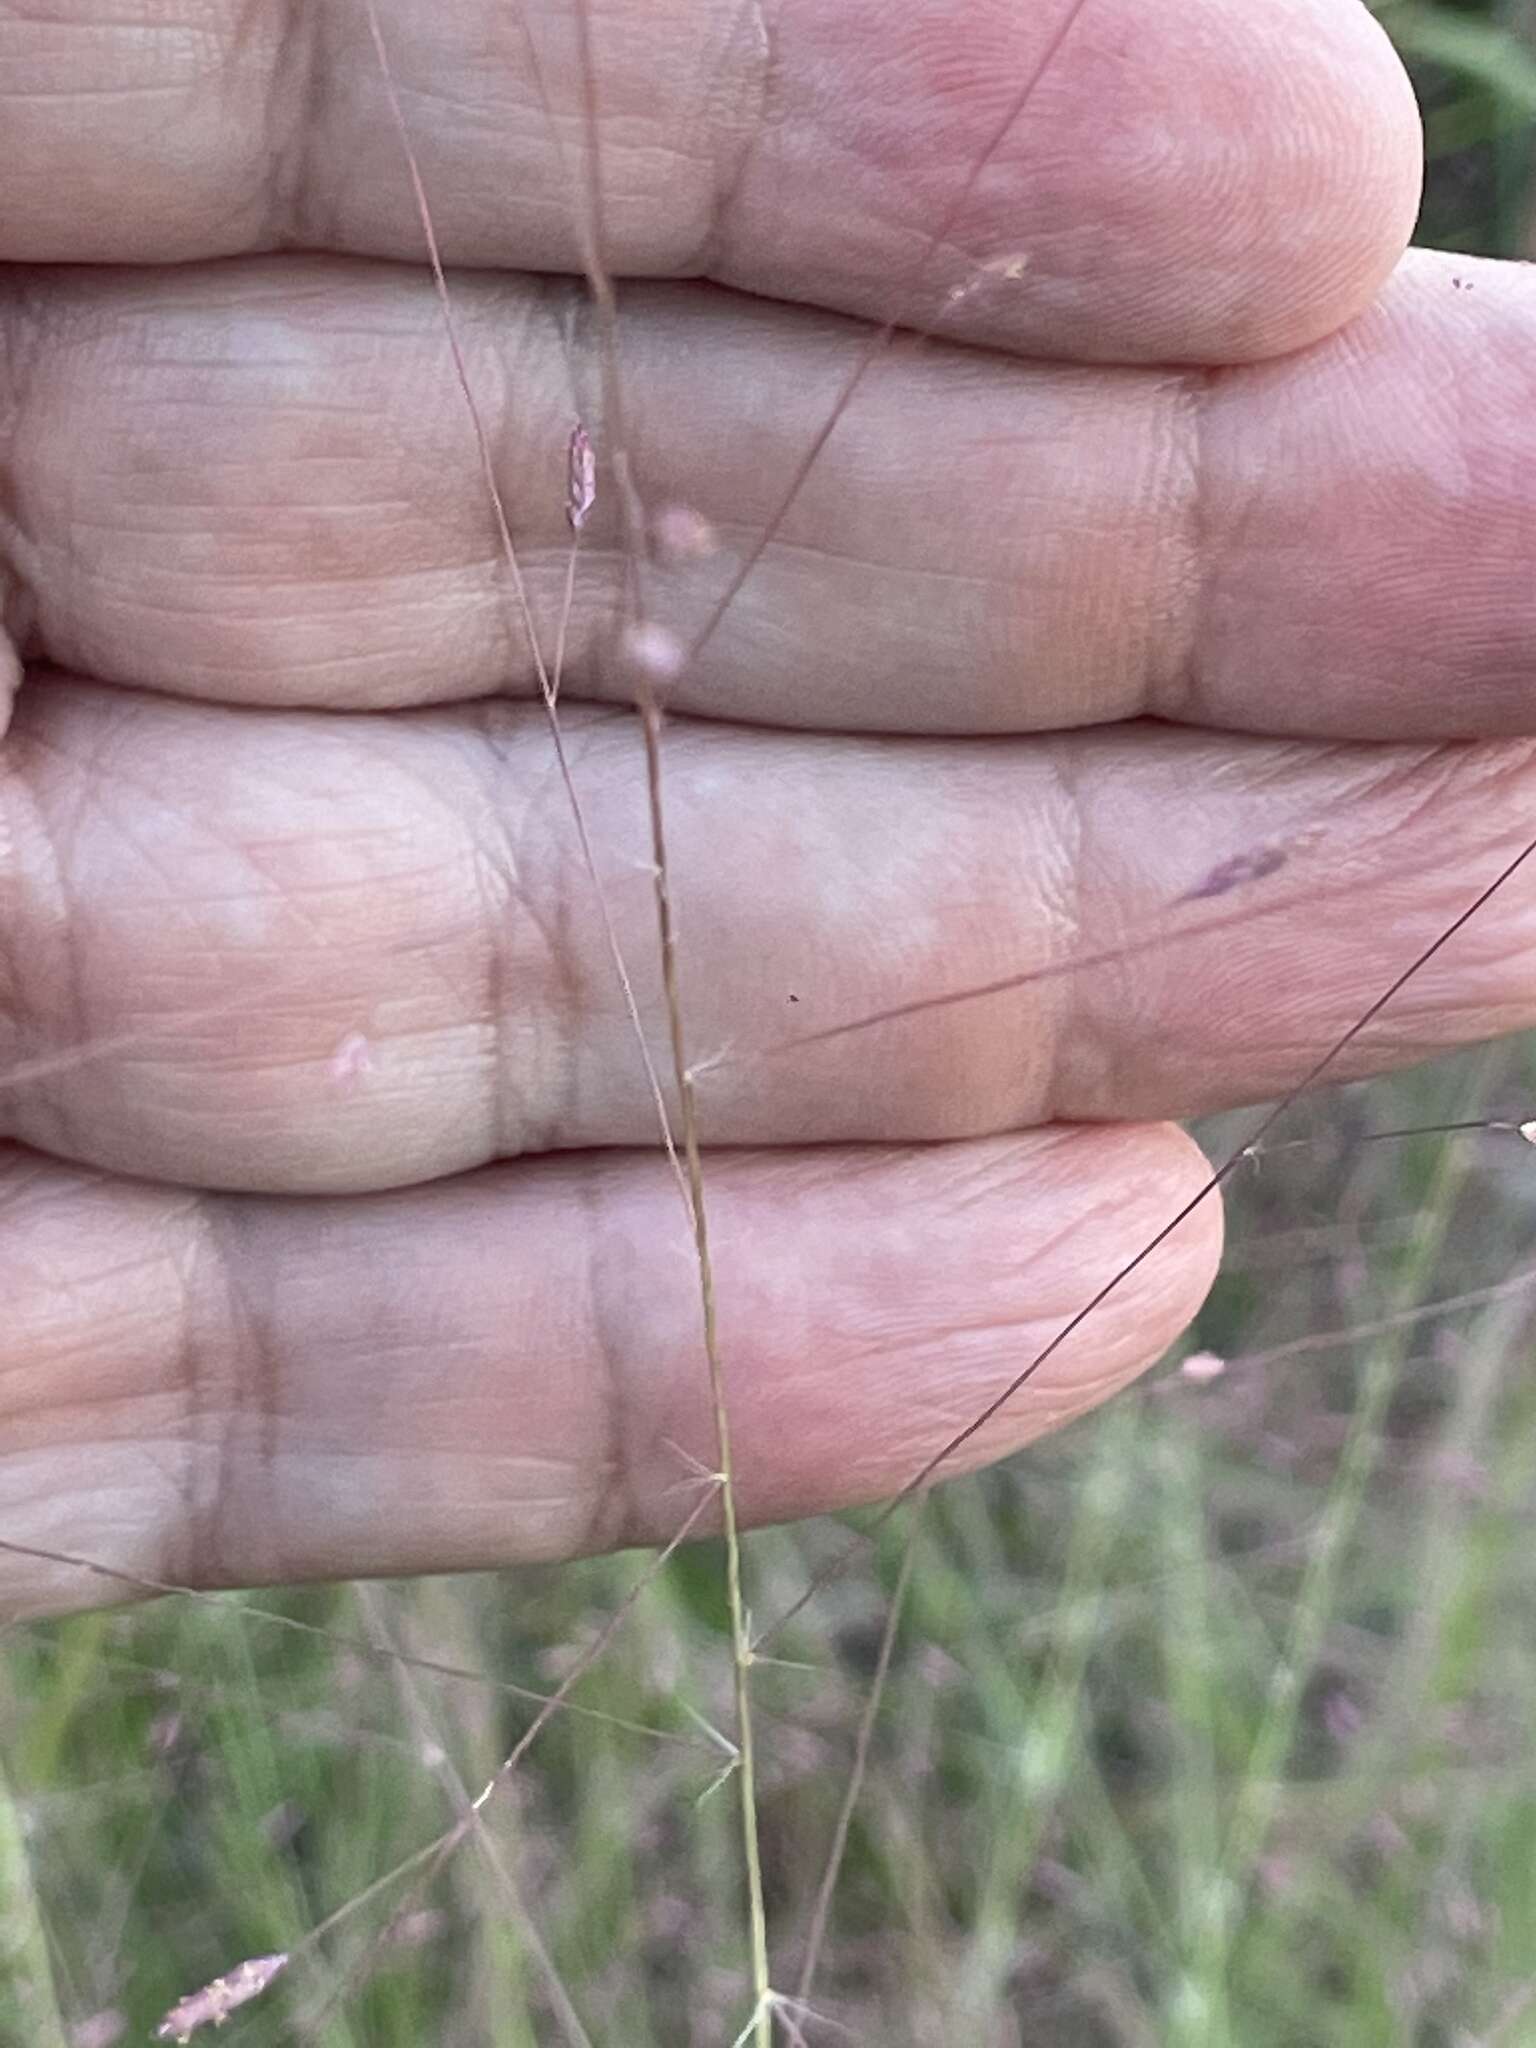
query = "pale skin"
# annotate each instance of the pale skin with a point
(348, 1247)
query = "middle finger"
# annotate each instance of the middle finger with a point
(258, 483)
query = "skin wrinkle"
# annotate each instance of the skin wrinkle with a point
(17, 608)
(518, 803)
(757, 85)
(12, 792)
(510, 911)
(61, 1285)
(496, 888)
(91, 774)
(70, 1025)
(303, 57)
(1056, 1399)
(1425, 780)
(1422, 781)
(205, 1274)
(1070, 929)
(1354, 766)
(978, 1183)
(615, 1518)
(1127, 1208)
(1173, 685)
(213, 1369)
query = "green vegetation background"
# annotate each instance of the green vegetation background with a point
(1212, 1721)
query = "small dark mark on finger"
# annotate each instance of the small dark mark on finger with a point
(1231, 874)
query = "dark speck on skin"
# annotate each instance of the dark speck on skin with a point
(1231, 874)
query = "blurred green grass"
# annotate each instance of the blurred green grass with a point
(1209, 1721)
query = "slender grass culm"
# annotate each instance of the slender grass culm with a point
(1204, 1721)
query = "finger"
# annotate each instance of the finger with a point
(213, 1390)
(1337, 544)
(292, 952)
(1216, 180)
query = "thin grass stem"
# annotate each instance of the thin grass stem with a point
(822, 1909)
(741, 1635)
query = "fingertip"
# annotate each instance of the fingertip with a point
(1261, 184)
(1212, 183)
(1336, 176)
(956, 1303)
(1141, 1243)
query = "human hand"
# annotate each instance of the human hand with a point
(335, 1239)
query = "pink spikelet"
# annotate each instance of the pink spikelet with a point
(652, 653)
(212, 2006)
(581, 478)
(680, 534)
(1202, 1367)
(352, 1059)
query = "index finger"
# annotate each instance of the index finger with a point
(1209, 182)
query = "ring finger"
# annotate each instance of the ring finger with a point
(287, 951)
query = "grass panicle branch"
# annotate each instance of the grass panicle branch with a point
(1254, 1144)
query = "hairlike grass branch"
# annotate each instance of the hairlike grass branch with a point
(339, 1639)
(1217, 1179)
(428, 1733)
(428, 1860)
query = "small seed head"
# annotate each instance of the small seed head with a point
(1202, 1367)
(651, 651)
(213, 2005)
(352, 1059)
(581, 479)
(680, 534)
